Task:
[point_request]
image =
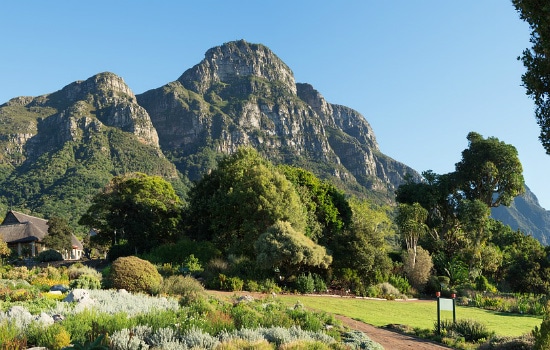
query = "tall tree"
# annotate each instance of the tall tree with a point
(143, 210)
(362, 247)
(411, 220)
(59, 235)
(328, 210)
(490, 171)
(237, 202)
(475, 220)
(537, 62)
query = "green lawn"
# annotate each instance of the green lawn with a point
(422, 314)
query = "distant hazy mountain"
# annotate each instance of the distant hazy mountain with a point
(526, 214)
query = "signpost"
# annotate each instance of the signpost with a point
(445, 304)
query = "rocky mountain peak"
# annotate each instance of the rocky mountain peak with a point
(111, 101)
(234, 60)
(103, 87)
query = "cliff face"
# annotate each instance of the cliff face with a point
(243, 94)
(36, 125)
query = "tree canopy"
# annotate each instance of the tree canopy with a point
(140, 209)
(456, 206)
(234, 204)
(284, 248)
(59, 235)
(490, 171)
(536, 60)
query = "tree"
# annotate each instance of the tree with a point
(536, 79)
(475, 219)
(4, 250)
(411, 220)
(59, 235)
(291, 252)
(237, 202)
(142, 210)
(328, 210)
(361, 250)
(417, 267)
(490, 171)
(458, 203)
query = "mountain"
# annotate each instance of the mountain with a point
(57, 150)
(243, 94)
(526, 214)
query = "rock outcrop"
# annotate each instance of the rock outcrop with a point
(243, 94)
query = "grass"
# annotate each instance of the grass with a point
(421, 314)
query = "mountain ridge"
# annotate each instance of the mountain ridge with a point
(240, 94)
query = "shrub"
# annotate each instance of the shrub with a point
(49, 255)
(192, 265)
(233, 284)
(213, 269)
(305, 284)
(358, 340)
(135, 275)
(252, 286)
(238, 344)
(542, 333)
(51, 273)
(197, 339)
(125, 339)
(10, 338)
(319, 283)
(54, 337)
(86, 282)
(417, 267)
(471, 330)
(269, 286)
(187, 287)
(400, 283)
(77, 270)
(524, 342)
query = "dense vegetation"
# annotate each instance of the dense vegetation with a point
(281, 223)
(251, 225)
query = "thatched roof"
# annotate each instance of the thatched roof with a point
(22, 228)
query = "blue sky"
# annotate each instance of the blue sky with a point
(423, 73)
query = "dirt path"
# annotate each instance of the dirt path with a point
(391, 340)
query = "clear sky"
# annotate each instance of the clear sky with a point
(423, 73)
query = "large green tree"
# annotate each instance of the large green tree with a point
(458, 203)
(281, 247)
(237, 202)
(328, 210)
(362, 249)
(411, 221)
(136, 208)
(490, 171)
(59, 234)
(537, 62)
